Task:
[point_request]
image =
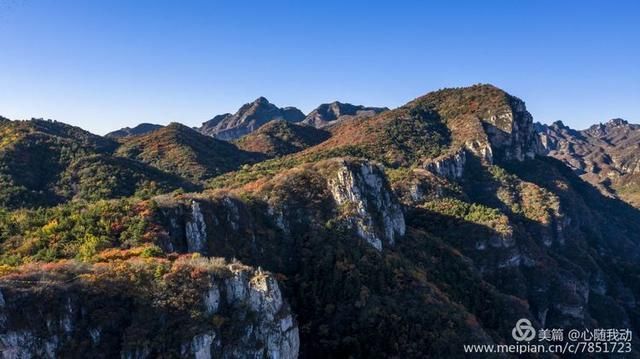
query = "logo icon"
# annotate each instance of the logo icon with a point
(523, 331)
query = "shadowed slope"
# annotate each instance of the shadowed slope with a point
(278, 138)
(183, 151)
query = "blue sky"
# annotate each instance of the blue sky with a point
(108, 64)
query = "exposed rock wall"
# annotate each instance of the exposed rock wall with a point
(196, 230)
(506, 134)
(248, 118)
(357, 191)
(375, 212)
(449, 166)
(511, 132)
(55, 319)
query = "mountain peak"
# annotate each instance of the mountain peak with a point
(179, 126)
(181, 150)
(177, 129)
(249, 118)
(140, 129)
(261, 100)
(488, 121)
(329, 113)
(604, 129)
(616, 122)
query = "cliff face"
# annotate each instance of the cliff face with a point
(231, 310)
(484, 122)
(511, 133)
(354, 193)
(363, 187)
(449, 166)
(338, 217)
(520, 236)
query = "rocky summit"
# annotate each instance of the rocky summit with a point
(330, 113)
(248, 118)
(405, 233)
(252, 116)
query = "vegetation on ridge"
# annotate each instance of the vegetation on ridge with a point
(278, 138)
(183, 151)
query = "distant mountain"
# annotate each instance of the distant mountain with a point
(330, 113)
(183, 151)
(141, 129)
(278, 138)
(248, 118)
(606, 155)
(43, 163)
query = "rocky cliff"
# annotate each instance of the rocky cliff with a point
(511, 132)
(363, 187)
(449, 166)
(484, 122)
(189, 308)
(353, 193)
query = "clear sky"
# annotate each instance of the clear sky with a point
(108, 64)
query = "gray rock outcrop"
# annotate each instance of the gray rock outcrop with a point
(248, 118)
(361, 189)
(330, 113)
(263, 326)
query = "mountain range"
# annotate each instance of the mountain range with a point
(252, 116)
(350, 232)
(605, 155)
